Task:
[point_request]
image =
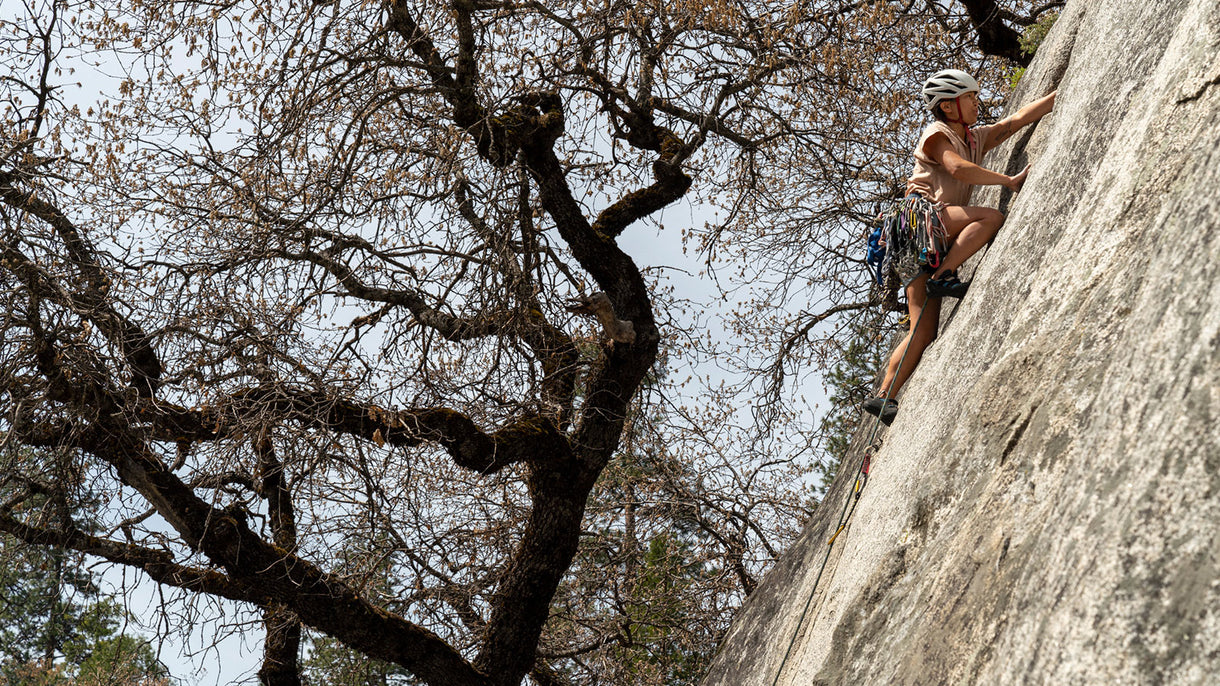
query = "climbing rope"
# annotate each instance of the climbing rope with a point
(849, 507)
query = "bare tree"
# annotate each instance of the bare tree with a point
(295, 295)
(194, 270)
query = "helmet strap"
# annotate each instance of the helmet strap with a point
(957, 102)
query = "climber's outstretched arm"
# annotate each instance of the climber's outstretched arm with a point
(1006, 127)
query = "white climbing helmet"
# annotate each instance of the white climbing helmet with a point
(947, 85)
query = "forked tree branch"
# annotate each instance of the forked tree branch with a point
(89, 302)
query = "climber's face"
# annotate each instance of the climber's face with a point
(964, 109)
(969, 108)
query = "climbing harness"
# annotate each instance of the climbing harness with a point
(907, 238)
(849, 508)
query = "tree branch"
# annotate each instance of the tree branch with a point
(282, 646)
(159, 565)
(498, 138)
(319, 599)
(90, 302)
(528, 438)
(994, 36)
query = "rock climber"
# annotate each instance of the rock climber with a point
(933, 230)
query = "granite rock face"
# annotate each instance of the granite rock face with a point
(1046, 507)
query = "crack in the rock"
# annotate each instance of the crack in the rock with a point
(1199, 93)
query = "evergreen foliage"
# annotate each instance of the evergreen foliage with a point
(848, 384)
(330, 663)
(57, 625)
(1031, 39)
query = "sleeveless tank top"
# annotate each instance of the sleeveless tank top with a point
(930, 178)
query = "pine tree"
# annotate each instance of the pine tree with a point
(57, 625)
(849, 383)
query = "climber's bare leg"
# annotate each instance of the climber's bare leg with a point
(970, 228)
(917, 340)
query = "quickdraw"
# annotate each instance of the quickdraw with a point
(909, 224)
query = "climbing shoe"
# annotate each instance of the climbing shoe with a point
(947, 286)
(880, 407)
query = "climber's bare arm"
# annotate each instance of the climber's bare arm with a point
(940, 149)
(1005, 128)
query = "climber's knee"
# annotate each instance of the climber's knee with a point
(992, 220)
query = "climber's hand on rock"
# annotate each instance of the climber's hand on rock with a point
(1015, 182)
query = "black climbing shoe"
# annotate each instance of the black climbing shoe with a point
(947, 286)
(886, 409)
